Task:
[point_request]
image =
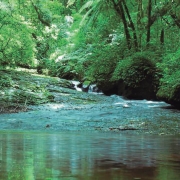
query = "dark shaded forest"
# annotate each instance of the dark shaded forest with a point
(129, 48)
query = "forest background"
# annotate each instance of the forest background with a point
(129, 48)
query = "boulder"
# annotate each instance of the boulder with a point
(135, 78)
(170, 94)
(85, 86)
(108, 88)
(144, 90)
(94, 88)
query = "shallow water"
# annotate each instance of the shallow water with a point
(107, 114)
(91, 137)
(81, 156)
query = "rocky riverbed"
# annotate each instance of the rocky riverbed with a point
(51, 104)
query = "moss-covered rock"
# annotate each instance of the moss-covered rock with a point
(108, 87)
(19, 89)
(137, 77)
(169, 90)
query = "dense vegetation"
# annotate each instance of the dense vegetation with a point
(130, 48)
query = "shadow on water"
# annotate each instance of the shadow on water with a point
(86, 156)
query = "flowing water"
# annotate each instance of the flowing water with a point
(109, 114)
(91, 137)
(88, 156)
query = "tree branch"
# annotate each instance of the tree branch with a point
(163, 11)
(175, 18)
(120, 10)
(39, 15)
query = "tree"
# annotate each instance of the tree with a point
(120, 10)
(149, 21)
(16, 45)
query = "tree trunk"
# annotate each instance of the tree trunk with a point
(131, 25)
(139, 23)
(149, 22)
(40, 17)
(175, 18)
(162, 37)
(120, 10)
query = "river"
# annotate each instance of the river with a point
(91, 137)
(81, 156)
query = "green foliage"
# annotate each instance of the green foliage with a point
(6, 81)
(170, 88)
(67, 70)
(170, 63)
(170, 82)
(100, 44)
(72, 67)
(137, 69)
(103, 62)
(16, 45)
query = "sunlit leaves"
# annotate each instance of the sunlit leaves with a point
(70, 2)
(16, 45)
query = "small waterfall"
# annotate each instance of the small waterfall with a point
(94, 89)
(86, 88)
(76, 85)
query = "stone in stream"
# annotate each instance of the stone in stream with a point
(126, 105)
(86, 87)
(94, 88)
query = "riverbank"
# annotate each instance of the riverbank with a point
(51, 104)
(22, 87)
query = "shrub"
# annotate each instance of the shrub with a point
(135, 69)
(66, 69)
(138, 75)
(104, 60)
(6, 81)
(170, 82)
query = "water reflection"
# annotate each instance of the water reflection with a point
(73, 155)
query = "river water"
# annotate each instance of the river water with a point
(107, 114)
(88, 156)
(91, 137)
